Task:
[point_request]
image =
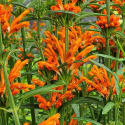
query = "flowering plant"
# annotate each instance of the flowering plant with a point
(56, 69)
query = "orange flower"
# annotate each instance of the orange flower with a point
(101, 81)
(15, 26)
(73, 121)
(114, 21)
(53, 120)
(89, 123)
(14, 73)
(26, 123)
(38, 82)
(67, 7)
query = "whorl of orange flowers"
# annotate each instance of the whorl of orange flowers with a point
(68, 7)
(101, 82)
(70, 57)
(14, 73)
(5, 14)
(53, 120)
(114, 22)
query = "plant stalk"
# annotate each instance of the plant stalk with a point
(28, 76)
(11, 100)
(7, 84)
(66, 35)
(123, 113)
(116, 115)
(4, 117)
(38, 33)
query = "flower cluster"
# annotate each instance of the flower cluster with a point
(15, 25)
(68, 7)
(114, 22)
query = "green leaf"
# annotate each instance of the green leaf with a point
(29, 18)
(88, 23)
(76, 109)
(29, 106)
(111, 57)
(62, 11)
(96, 30)
(120, 71)
(90, 100)
(18, 4)
(31, 73)
(115, 76)
(87, 119)
(42, 90)
(87, 14)
(107, 107)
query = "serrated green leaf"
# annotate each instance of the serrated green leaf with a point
(107, 107)
(115, 76)
(42, 90)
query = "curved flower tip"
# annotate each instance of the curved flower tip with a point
(38, 82)
(26, 123)
(53, 120)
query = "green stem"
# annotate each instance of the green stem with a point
(31, 101)
(116, 115)
(108, 53)
(28, 76)
(56, 30)
(105, 122)
(4, 117)
(38, 33)
(123, 113)
(108, 10)
(66, 35)
(92, 112)
(108, 35)
(117, 56)
(7, 84)
(1, 43)
(22, 110)
(24, 41)
(11, 101)
(63, 111)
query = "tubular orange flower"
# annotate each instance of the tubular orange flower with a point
(26, 123)
(14, 73)
(53, 120)
(38, 82)
(89, 123)
(101, 82)
(15, 26)
(73, 121)
(114, 21)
